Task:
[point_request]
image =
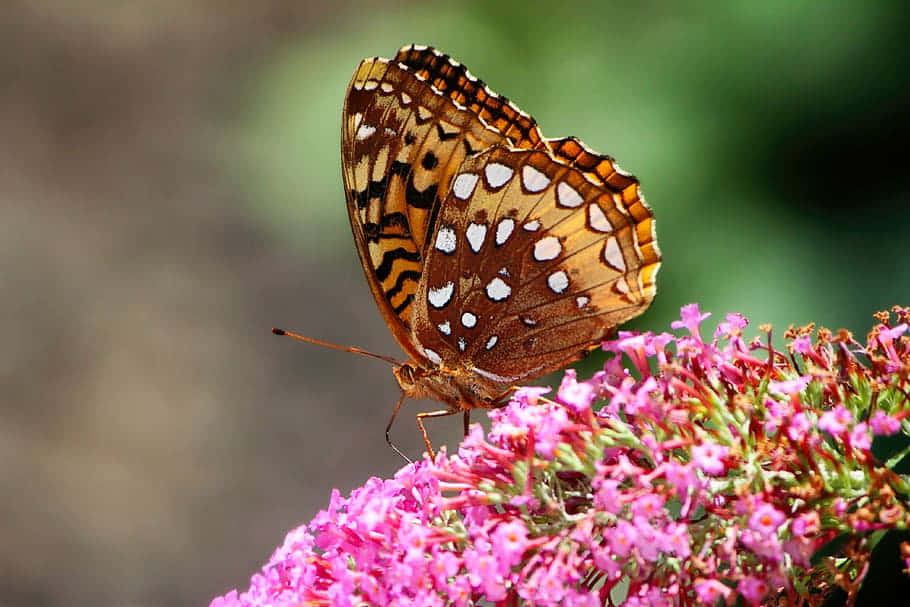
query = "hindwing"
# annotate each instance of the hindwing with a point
(533, 263)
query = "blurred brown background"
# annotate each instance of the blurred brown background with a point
(170, 189)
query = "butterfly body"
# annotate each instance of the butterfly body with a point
(494, 254)
(459, 389)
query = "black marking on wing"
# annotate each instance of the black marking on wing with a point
(378, 188)
(389, 257)
(403, 305)
(361, 198)
(418, 199)
(445, 136)
(429, 161)
(371, 231)
(396, 219)
(399, 284)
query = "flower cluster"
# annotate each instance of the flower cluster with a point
(687, 471)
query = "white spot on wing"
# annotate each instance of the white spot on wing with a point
(558, 281)
(469, 320)
(432, 356)
(503, 272)
(365, 131)
(405, 98)
(568, 196)
(622, 286)
(370, 85)
(547, 248)
(445, 240)
(613, 255)
(504, 230)
(464, 185)
(445, 328)
(533, 180)
(597, 219)
(461, 344)
(357, 118)
(498, 290)
(390, 132)
(532, 226)
(529, 321)
(386, 87)
(476, 233)
(492, 342)
(582, 301)
(497, 174)
(438, 298)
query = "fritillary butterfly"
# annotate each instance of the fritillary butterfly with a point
(495, 255)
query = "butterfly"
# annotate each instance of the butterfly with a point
(495, 255)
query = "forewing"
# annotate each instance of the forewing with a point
(402, 140)
(532, 262)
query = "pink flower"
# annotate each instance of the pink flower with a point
(884, 424)
(577, 395)
(510, 540)
(699, 477)
(835, 421)
(766, 520)
(608, 496)
(485, 573)
(709, 591)
(681, 476)
(753, 589)
(576, 598)
(459, 591)
(802, 345)
(443, 566)
(799, 427)
(709, 457)
(860, 437)
(622, 538)
(529, 395)
(691, 319)
(806, 524)
(732, 326)
(648, 506)
(790, 386)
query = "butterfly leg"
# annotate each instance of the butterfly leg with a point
(425, 414)
(467, 420)
(388, 429)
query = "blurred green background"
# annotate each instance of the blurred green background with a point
(170, 189)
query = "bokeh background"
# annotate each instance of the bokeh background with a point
(170, 189)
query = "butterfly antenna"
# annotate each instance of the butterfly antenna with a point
(326, 344)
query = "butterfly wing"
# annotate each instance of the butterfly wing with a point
(407, 125)
(535, 257)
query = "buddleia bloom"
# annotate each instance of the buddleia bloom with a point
(687, 471)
